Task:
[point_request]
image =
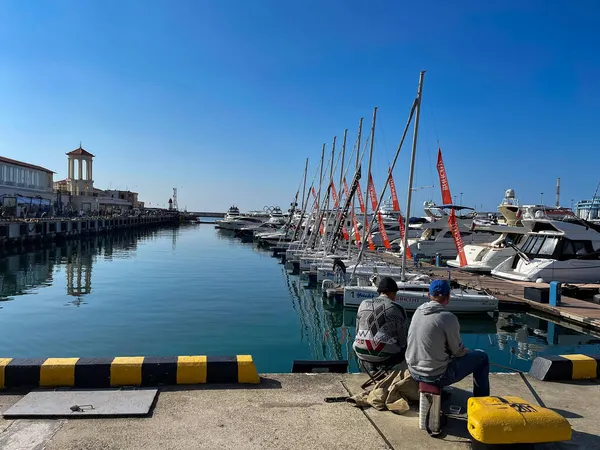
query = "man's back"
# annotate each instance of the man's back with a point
(433, 337)
(380, 329)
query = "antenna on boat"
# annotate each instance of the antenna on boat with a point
(557, 192)
(412, 170)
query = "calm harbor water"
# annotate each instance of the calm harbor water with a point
(196, 290)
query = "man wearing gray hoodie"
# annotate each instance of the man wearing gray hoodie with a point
(435, 353)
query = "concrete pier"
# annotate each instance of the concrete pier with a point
(16, 234)
(290, 412)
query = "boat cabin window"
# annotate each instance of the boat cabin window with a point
(538, 246)
(576, 249)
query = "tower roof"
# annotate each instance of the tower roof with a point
(80, 151)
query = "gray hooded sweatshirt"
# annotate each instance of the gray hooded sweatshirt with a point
(433, 339)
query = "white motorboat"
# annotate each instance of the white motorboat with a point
(485, 256)
(392, 229)
(555, 250)
(241, 221)
(414, 293)
(437, 238)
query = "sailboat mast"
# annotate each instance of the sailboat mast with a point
(371, 146)
(304, 186)
(340, 186)
(412, 170)
(360, 124)
(331, 168)
(326, 211)
(318, 200)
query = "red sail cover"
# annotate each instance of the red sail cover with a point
(334, 195)
(382, 232)
(395, 203)
(360, 198)
(371, 193)
(396, 206)
(457, 238)
(446, 197)
(369, 238)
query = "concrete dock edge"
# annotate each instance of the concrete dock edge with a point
(126, 371)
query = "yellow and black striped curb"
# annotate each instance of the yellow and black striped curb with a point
(126, 371)
(566, 367)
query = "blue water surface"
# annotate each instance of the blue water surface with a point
(196, 290)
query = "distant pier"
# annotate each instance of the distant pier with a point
(208, 214)
(19, 234)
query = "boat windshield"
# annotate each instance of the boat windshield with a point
(540, 246)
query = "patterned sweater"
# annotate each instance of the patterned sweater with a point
(381, 329)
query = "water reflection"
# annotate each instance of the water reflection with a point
(163, 292)
(20, 273)
(25, 273)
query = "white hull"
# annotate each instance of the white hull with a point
(460, 301)
(445, 246)
(569, 271)
(274, 239)
(236, 224)
(483, 258)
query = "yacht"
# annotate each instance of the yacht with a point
(392, 229)
(487, 255)
(234, 220)
(238, 222)
(510, 232)
(555, 250)
(436, 237)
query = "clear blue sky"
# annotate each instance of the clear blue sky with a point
(225, 99)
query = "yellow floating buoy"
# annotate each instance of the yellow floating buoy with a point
(512, 420)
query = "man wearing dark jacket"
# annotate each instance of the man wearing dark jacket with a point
(435, 352)
(381, 327)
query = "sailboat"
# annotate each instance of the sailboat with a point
(414, 292)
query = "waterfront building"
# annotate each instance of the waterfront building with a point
(588, 209)
(77, 191)
(25, 189)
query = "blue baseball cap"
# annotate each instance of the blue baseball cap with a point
(439, 288)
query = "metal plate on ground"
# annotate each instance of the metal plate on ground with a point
(84, 403)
